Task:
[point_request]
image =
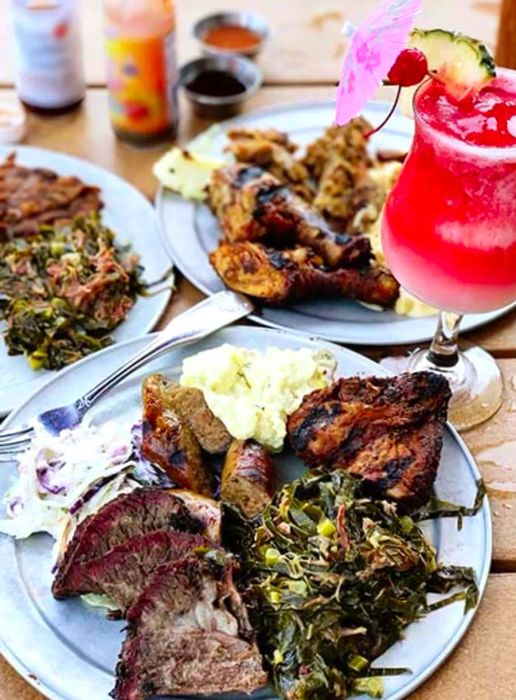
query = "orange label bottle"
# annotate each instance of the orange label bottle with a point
(142, 69)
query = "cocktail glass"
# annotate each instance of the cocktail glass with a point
(449, 230)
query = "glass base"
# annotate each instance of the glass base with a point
(475, 380)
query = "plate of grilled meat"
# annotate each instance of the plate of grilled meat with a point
(291, 217)
(258, 512)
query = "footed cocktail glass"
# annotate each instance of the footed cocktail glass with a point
(449, 230)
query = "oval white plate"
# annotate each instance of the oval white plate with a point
(190, 232)
(69, 652)
(132, 218)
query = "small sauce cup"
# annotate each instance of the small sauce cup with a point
(219, 33)
(217, 86)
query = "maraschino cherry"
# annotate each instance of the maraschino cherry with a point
(410, 68)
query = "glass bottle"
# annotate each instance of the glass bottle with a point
(48, 55)
(142, 69)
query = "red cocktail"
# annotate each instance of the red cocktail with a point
(449, 228)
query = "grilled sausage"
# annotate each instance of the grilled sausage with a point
(170, 443)
(191, 407)
(247, 477)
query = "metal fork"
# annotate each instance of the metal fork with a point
(198, 322)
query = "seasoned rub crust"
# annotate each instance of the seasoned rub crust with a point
(272, 150)
(388, 431)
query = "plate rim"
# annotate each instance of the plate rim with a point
(223, 126)
(467, 618)
(145, 203)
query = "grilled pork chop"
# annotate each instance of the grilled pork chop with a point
(388, 431)
(253, 205)
(282, 276)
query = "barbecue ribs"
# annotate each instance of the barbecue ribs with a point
(388, 431)
(253, 205)
(281, 276)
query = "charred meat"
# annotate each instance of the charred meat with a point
(283, 276)
(169, 442)
(388, 431)
(30, 197)
(253, 205)
(247, 477)
(129, 515)
(188, 634)
(190, 405)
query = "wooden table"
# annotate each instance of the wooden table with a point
(301, 63)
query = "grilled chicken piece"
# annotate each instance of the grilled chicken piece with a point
(247, 477)
(388, 431)
(253, 205)
(339, 161)
(170, 442)
(273, 151)
(282, 276)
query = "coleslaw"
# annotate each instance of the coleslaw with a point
(62, 479)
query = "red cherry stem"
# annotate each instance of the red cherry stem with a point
(391, 112)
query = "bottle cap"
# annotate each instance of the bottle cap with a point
(12, 121)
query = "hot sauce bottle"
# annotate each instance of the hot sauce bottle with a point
(142, 69)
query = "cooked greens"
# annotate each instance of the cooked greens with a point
(336, 578)
(63, 290)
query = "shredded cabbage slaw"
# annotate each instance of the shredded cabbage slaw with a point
(62, 479)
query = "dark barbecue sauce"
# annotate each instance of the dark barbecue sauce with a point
(216, 83)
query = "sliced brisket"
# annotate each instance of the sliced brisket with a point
(125, 570)
(143, 510)
(185, 636)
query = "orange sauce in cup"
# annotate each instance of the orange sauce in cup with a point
(231, 38)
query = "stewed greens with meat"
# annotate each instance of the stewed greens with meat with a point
(63, 290)
(337, 577)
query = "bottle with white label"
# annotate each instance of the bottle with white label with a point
(48, 54)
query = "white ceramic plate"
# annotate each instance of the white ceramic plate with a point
(69, 652)
(133, 219)
(190, 232)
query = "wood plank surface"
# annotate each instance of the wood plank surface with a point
(306, 45)
(481, 668)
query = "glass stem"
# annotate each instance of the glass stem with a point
(443, 351)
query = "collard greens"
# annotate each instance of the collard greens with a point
(336, 577)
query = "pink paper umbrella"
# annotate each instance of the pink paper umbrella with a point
(372, 50)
